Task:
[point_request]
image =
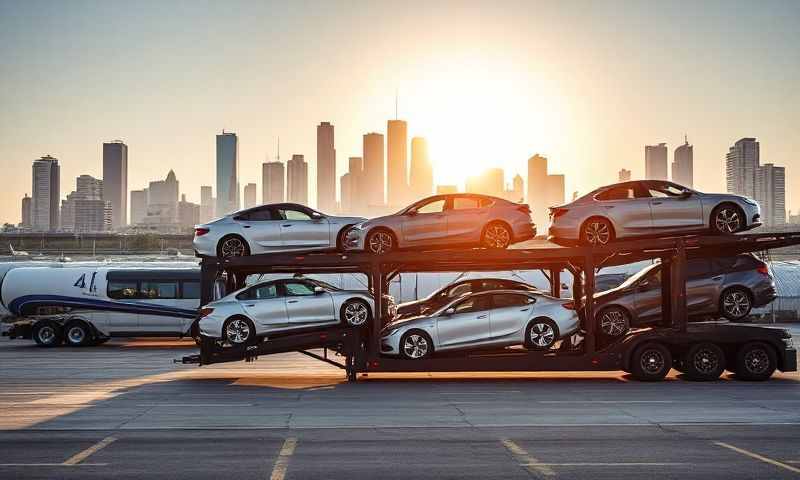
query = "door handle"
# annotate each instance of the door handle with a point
(655, 203)
(482, 316)
(292, 301)
(287, 225)
(717, 278)
(250, 305)
(245, 226)
(525, 309)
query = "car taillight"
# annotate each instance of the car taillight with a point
(569, 305)
(763, 269)
(556, 212)
(204, 312)
(199, 232)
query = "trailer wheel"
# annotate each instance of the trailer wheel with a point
(416, 345)
(47, 333)
(355, 313)
(77, 333)
(755, 361)
(651, 362)
(704, 362)
(541, 334)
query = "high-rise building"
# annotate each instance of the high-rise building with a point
(421, 175)
(326, 168)
(517, 192)
(162, 203)
(683, 165)
(115, 181)
(138, 206)
(537, 188)
(250, 195)
(554, 193)
(227, 173)
(624, 175)
(46, 194)
(85, 210)
(350, 186)
(741, 167)
(655, 162)
(189, 213)
(26, 212)
(374, 179)
(272, 175)
(297, 180)
(771, 194)
(397, 163)
(206, 203)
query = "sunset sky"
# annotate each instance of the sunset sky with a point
(488, 83)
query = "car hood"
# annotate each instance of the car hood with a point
(346, 220)
(404, 321)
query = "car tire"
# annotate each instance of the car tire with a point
(239, 331)
(355, 313)
(727, 219)
(232, 246)
(650, 362)
(613, 322)
(380, 241)
(597, 231)
(496, 235)
(78, 333)
(47, 333)
(703, 362)
(755, 361)
(541, 334)
(735, 303)
(416, 345)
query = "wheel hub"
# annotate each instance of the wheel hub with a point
(756, 361)
(232, 247)
(76, 334)
(380, 242)
(47, 334)
(496, 237)
(542, 334)
(706, 361)
(652, 361)
(238, 331)
(355, 314)
(415, 346)
(613, 323)
(597, 233)
(728, 220)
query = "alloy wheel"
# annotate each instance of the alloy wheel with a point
(542, 335)
(76, 335)
(380, 242)
(415, 346)
(237, 331)
(597, 233)
(356, 314)
(613, 323)
(232, 247)
(756, 361)
(728, 220)
(705, 361)
(736, 304)
(652, 361)
(496, 236)
(47, 334)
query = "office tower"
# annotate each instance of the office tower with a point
(554, 192)
(162, 202)
(115, 178)
(85, 210)
(655, 162)
(537, 186)
(46, 194)
(624, 175)
(771, 194)
(350, 185)
(272, 182)
(26, 212)
(517, 192)
(297, 180)
(683, 165)
(490, 182)
(374, 179)
(741, 166)
(446, 189)
(227, 173)
(138, 206)
(326, 168)
(207, 201)
(90, 187)
(189, 213)
(250, 195)
(397, 160)
(421, 175)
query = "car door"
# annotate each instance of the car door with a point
(674, 207)
(648, 296)
(702, 286)
(261, 226)
(265, 306)
(628, 209)
(426, 223)
(300, 229)
(306, 306)
(509, 314)
(156, 295)
(465, 218)
(125, 318)
(467, 325)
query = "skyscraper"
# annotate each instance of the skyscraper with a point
(350, 182)
(26, 212)
(537, 188)
(771, 194)
(421, 176)
(139, 206)
(683, 165)
(741, 167)
(189, 213)
(162, 203)
(655, 162)
(326, 168)
(249, 195)
(297, 180)
(206, 203)
(115, 181)
(374, 179)
(85, 210)
(272, 180)
(554, 192)
(624, 175)
(227, 173)
(397, 149)
(46, 194)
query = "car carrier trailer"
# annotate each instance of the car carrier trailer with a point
(701, 350)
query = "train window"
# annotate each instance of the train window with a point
(190, 290)
(122, 290)
(157, 290)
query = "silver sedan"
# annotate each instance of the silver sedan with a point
(498, 318)
(444, 221)
(649, 207)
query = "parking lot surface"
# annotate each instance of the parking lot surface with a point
(125, 410)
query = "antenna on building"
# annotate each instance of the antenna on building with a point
(278, 158)
(685, 139)
(396, 94)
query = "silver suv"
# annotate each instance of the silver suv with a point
(726, 286)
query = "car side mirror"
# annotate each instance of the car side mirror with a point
(686, 194)
(411, 213)
(318, 290)
(317, 216)
(449, 311)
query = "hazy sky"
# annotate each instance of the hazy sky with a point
(488, 83)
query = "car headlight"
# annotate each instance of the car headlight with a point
(750, 201)
(788, 343)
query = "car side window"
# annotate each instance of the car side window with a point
(434, 206)
(298, 289)
(663, 190)
(698, 268)
(474, 304)
(653, 280)
(291, 214)
(617, 193)
(724, 264)
(263, 292)
(486, 202)
(505, 300)
(158, 290)
(465, 203)
(460, 290)
(122, 290)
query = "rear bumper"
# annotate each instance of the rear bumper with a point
(525, 232)
(789, 363)
(764, 296)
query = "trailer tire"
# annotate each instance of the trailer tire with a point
(651, 362)
(78, 333)
(47, 333)
(703, 362)
(755, 361)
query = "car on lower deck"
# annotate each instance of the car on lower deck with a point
(445, 295)
(726, 286)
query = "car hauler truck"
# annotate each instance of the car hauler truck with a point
(700, 350)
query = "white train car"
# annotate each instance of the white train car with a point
(87, 305)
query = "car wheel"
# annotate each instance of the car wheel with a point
(541, 334)
(380, 242)
(735, 303)
(614, 321)
(597, 231)
(496, 235)
(704, 362)
(47, 333)
(232, 246)
(416, 345)
(355, 313)
(755, 361)
(727, 219)
(77, 333)
(651, 362)
(239, 331)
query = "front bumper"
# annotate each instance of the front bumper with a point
(390, 344)
(354, 239)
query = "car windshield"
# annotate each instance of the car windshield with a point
(633, 279)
